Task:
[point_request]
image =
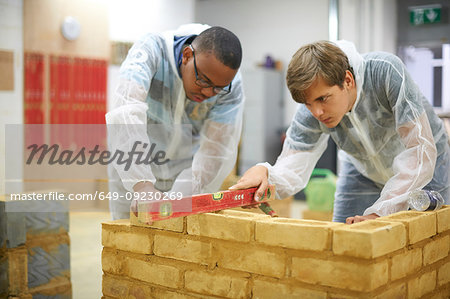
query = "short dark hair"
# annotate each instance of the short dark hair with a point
(223, 43)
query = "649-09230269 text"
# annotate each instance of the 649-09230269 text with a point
(60, 196)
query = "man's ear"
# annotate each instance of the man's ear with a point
(187, 54)
(349, 80)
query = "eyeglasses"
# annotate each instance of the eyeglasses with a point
(203, 84)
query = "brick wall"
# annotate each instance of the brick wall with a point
(34, 251)
(236, 254)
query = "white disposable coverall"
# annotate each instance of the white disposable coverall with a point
(150, 106)
(389, 142)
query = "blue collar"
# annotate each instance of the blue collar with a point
(178, 43)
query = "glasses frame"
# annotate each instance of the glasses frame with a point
(203, 84)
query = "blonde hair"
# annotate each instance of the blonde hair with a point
(319, 59)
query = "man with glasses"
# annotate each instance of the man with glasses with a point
(181, 92)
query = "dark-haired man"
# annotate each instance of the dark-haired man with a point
(181, 92)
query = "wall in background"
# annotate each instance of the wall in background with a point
(42, 23)
(422, 35)
(11, 103)
(133, 18)
(371, 25)
(420, 43)
(71, 84)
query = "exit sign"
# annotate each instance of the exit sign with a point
(425, 14)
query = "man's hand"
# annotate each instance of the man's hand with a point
(143, 189)
(257, 176)
(357, 218)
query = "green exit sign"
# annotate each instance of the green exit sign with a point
(425, 14)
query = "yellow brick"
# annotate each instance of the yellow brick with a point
(266, 289)
(420, 225)
(118, 287)
(17, 260)
(241, 214)
(183, 249)
(295, 233)
(166, 294)
(139, 291)
(443, 219)
(398, 291)
(172, 224)
(112, 262)
(341, 296)
(421, 285)
(390, 292)
(345, 275)
(250, 259)
(22, 296)
(56, 285)
(317, 215)
(435, 250)
(406, 263)
(128, 241)
(152, 272)
(444, 274)
(114, 287)
(216, 283)
(369, 239)
(222, 226)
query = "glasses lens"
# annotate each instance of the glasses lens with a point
(218, 90)
(202, 83)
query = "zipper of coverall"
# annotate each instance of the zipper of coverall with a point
(179, 108)
(368, 146)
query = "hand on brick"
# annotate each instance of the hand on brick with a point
(357, 218)
(257, 176)
(144, 192)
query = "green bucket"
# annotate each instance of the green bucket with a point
(320, 190)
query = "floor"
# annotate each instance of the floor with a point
(86, 249)
(85, 253)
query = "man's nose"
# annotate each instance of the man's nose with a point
(317, 110)
(208, 92)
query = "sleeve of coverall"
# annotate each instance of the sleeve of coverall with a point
(127, 121)
(302, 148)
(414, 167)
(219, 139)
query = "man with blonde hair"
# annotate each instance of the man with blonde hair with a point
(390, 139)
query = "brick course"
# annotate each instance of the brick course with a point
(369, 239)
(295, 233)
(216, 283)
